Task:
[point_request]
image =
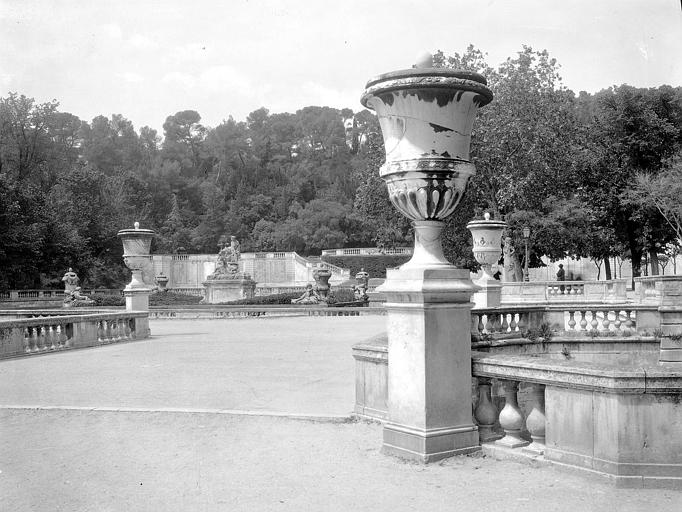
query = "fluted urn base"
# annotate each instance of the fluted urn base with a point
(428, 250)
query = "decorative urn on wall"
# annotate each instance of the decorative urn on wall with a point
(426, 116)
(136, 248)
(487, 235)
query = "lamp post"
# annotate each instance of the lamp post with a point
(526, 236)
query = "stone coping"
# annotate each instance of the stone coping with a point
(645, 378)
(68, 318)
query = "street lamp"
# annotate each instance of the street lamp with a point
(526, 236)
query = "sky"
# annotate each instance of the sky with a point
(147, 60)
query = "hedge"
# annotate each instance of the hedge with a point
(375, 266)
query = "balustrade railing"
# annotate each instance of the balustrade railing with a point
(367, 251)
(46, 294)
(27, 336)
(593, 320)
(564, 291)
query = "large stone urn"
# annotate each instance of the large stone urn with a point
(487, 235)
(136, 248)
(426, 116)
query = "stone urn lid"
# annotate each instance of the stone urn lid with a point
(486, 223)
(136, 232)
(429, 78)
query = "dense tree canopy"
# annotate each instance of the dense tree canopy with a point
(590, 174)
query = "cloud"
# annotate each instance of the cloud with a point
(142, 42)
(111, 30)
(225, 79)
(131, 77)
(179, 79)
(215, 79)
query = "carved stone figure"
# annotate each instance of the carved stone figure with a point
(75, 297)
(360, 289)
(70, 280)
(508, 270)
(227, 266)
(310, 296)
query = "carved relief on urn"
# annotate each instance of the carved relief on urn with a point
(136, 248)
(426, 117)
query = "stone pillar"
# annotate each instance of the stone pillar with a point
(429, 365)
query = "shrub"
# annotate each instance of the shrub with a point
(277, 298)
(172, 299)
(105, 301)
(375, 266)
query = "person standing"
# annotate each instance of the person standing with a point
(561, 276)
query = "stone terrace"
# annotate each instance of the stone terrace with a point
(200, 417)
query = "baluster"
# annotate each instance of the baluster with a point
(51, 335)
(125, 328)
(43, 338)
(63, 340)
(505, 323)
(616, 321)
(474, 324)
(480, 327)
(633, 320)
(36, 338)
(628, 322)
(580, 289)
(513, 325)
(523, 321)
(606, 323)
(107, 331)
(497, 324)
(131, 323)
(488, 325)
(571, 321)
(486, 412)
(27, 339)
(117, 330)
(100, 331)
(583, 320)
(594, 323)
(511, 419)
(535, 422)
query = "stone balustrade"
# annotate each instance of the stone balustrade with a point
(610, 420)
(40, 334)
(367, 251)
(46, 294)
(661, 290)
(564, 291)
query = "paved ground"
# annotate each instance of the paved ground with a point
(74, 459)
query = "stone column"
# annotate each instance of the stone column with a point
(426, 116)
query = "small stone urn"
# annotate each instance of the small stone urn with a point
(321, 276)
(136, 247)
(162, 282)
(487, 235)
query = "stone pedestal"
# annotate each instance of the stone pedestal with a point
(489, 295)
(227, 290)
(429, 368)
(137, 299)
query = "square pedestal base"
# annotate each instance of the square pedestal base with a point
(489, 296)
(227, 290)
(429, 446)
(137, 299)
